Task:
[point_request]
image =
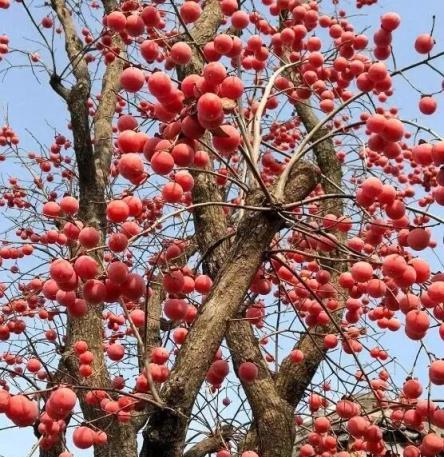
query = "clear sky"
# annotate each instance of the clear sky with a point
(33, 106)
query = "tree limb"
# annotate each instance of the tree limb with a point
(212, 443)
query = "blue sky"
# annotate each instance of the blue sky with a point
(34, 106)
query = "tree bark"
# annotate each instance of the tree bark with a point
(273, 416)
(165, 432)
(212, 443)
(93, 162)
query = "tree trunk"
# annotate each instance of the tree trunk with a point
(166, 430)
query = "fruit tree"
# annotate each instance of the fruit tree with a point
(232, 235)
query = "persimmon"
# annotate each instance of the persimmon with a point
(83, 437)
(424, 43)
(248, 371)
(132, 79)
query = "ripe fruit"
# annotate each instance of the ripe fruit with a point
(214, 73)
(322, 425)
(94, 291)
(183, 154)
(173, 281)
(127, 122)
(190, 11)
(357, 426)
(346, 409)
(223, 452)
(159, 355)
(175, 309)
(172, 192)
(422, 154)
(162, 162)
(61, 271)
(202, 284)
(427, 105)
(412, 388)
(393, 130)
(83, 437)
(130, 166)
(89, 237)
(394, 265)
(377, 72)
(372, 187)
(51, 209)
(209, 107)
(117, 211)
(115, 352)
(149, 50)
(116, 21)
(69, 205)
(60, 403)
(85, 371)
(232, 87)
(132, 79)
(185, 180)
(134, 286)
(436, 372)
(240, 20)
(86, 267)
(179, 335)
(80, 347)
(4, 400)
(330, 341)
(248, 372)
(223, 43)
(159, 84)
(362, 271)
(296, 356)
(117, 272)
(436, 291)
(118, 242)
(181, 53)
(228, 141)
(424, 43)
(390, 21)
(134, 25)
(411, 451)
(376, 288)
(22, 411)
(418, 239)
(33, 366)
(432, 444)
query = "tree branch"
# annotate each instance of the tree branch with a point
(212, 443)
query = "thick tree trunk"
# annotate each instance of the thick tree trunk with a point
(166, 430)
(275, 417)
(121, 442)
(93, 162)
(165, 434)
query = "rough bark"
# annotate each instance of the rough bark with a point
(93, 161)
(273, 416)
(212, 443)
(165, 433)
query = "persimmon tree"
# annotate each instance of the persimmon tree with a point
(211, 249)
